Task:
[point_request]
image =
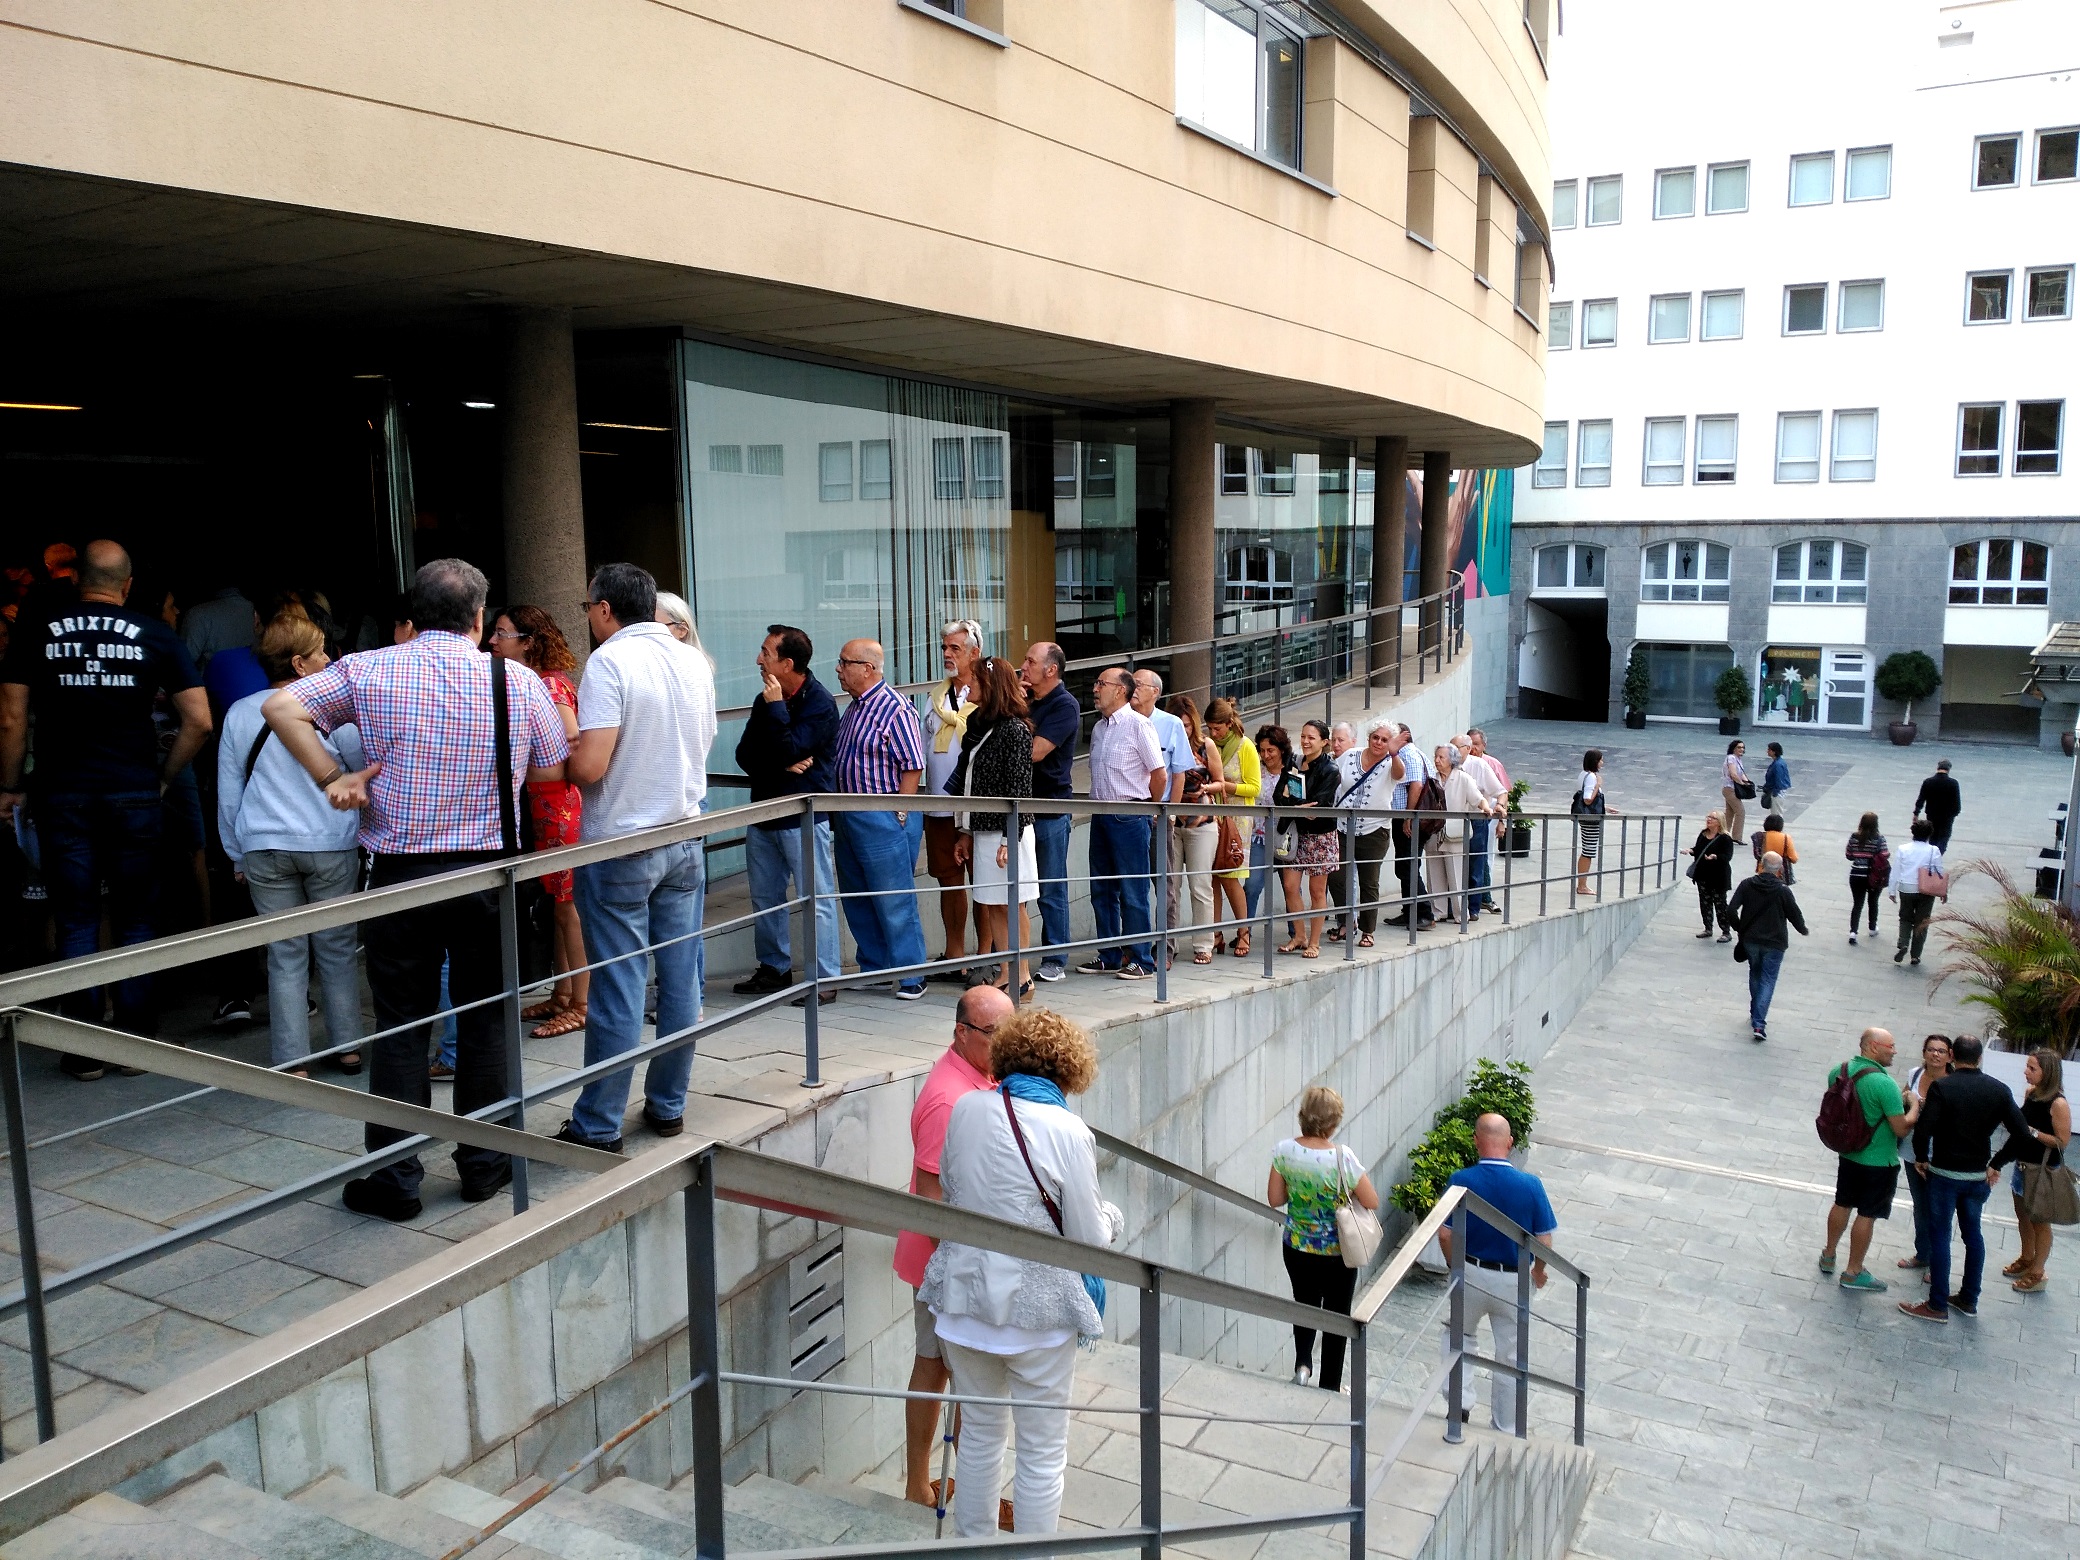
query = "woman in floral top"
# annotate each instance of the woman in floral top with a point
(1311, 1176)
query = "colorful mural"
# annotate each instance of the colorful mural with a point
(1478, 521)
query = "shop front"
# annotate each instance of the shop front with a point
(1814, 685)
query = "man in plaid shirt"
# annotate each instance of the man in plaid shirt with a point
(429, 804)
(880, 753)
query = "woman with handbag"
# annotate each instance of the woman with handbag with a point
(1870, 869)
(996, 760)
(2050, 1117)
(1284, 788)
(1008, 1326)
(1773, 837)
(1935, 1066)
(1235, 780)
(1918, 881)
(1317, 855)
(1735, 786)
(1313, 1177)
(1588, 806)
(1711, 869)
(1198, 836)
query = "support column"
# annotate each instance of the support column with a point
(1192, 568)
(1434, 568)
(544, 495)
(1389, 550)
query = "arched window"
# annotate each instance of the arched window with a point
(1258, 576)
(1821, 572)
(1684, 571)
(2001, 571)
(1567, 566)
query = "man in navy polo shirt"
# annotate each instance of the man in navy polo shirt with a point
(1491, 1261)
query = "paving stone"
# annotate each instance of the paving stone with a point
(275, 1162)
(369, 1250)
(151, 1352)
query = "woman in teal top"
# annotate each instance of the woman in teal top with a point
(1311, 1176)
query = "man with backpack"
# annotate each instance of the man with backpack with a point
(1762, 911)
(1863, 1117)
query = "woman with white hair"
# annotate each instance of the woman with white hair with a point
(676, 615)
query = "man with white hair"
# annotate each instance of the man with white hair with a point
(1179, 760)
(1493, 790)
(945, 723)
(881, 752)
(1761, 909)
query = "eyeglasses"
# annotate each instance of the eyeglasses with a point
(848, 661)
(509, 633)
(962, 1023)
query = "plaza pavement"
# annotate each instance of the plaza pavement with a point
(1741, 1404)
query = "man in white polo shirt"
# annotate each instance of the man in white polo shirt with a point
(646, 719)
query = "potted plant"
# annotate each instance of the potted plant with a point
(1907, 676)
(1636, 689)
(1517, 841)
(1447, 1148)
(1733, 694)
(2021, 959)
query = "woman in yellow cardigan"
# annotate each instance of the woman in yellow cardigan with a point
(1238, 782)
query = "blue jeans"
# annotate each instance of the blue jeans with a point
(625, 904)
(1051, 847)
(1119, 885)
(1477, 863)
(88, 841)
(282, 880)
(772, 861)
(1764, 965)
(1259, 872)
(1963, 1200)
(877, 857)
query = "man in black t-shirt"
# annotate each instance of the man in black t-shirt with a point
(1057, 720)
(89, 674)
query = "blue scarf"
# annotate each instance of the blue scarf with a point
(1045, 1091)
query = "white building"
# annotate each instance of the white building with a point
(1811, 356)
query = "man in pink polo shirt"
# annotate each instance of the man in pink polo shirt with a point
(961, 1070)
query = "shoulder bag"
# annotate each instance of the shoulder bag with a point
(2049, 1193)
(1358, 1234)
(1932, 881)
(1093, 1285)
(536, 910)
(1285, 849)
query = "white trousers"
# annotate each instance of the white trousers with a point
(1191, 861)
(1445, 873)
(1037, 1376)
(1493, 1295)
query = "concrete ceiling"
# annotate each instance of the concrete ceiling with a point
(85, 246)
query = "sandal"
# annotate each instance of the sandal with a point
(2016, 1268)
(1220, 942)
(348, 1062)
(2030, 1283)
(1310, 953)
(568, 1021)
(1202, 958)
(1365, 941)
(1293, 947)
(543, 1009)
(1241, 948)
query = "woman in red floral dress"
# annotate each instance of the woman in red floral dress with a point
(529, 634)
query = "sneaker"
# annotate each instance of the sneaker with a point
(569, 1133)
(1136, 972)
(1097, 967)
(1863, 1283)
(1968, 1307)
(1852, 939)
(1052, 970)
(1708, 932)
(951, 977)
(662, 1126)
(1761, 1036)
(909, 991)
(1913, 961)
(1899, 955)
(82, 1069)
(1827, 1262)
(233, 1010)
(1726, 937)
(763, 981)
(1303, 1377)
(823, 999)
(1921, 1310)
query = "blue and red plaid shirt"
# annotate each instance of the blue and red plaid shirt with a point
(878, 738)
(424, 712)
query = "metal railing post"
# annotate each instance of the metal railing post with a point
(1545, 863)
(1660, 848)
(1161, 946)
(25, 1232)
(1581, 1362)
(1013, 834)
(1412, 889)
(1356, 1365)
(704, 1351)
(1150, 1344)
(1523, 1385)
(812, 954)
(1508, 834)
(1574, 865)
(509, 959)
(1270, 878)
(1278, 666)
(1455, 1328)
(1350, 888)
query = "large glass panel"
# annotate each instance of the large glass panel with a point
(1680, 678)
(1282, 101)
(1294, 552)
(1217, 67)
(1588, 567)
(1104, 600)
(1785, 587)
(1551, 569)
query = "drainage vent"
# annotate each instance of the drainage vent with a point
(816, 1309)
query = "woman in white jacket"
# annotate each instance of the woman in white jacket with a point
(1008, 1327)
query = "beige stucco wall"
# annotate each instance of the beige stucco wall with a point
(856, 148)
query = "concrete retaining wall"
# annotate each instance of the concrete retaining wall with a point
(1516, 1500)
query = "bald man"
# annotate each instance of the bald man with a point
(880, 753)
(1492, 1260)
(1763, 911)
(89, 672)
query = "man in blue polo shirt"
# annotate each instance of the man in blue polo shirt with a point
(1491, 1261)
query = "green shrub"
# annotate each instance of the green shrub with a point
(1732, 693)
(1908, 676)
(1447, 1148)
(1639, 684)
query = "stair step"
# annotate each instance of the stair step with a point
(741, 1531)
(823, 1518)
(415, 1528)
(107, 1527)
(869, 1499)
(270, 1525)
(552, 1527)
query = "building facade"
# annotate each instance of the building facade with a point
(1090, 322)
(1813, 359)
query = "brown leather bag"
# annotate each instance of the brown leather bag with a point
(1231, 851)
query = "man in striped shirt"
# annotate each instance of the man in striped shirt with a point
(880, 753)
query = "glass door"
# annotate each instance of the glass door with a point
(1845, 685)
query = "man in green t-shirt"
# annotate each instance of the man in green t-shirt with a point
(1866, 1178)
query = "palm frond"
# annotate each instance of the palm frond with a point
(2020, 959)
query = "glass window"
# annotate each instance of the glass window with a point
(2039, 432)
(1979, 439)
(1664, 466)
(1565, 567)
(1994, 161)
(1855, 455)
(1065, 471)
(1239, 75)
(2058, 155)
(1723, 316)
(1559, 326)
(949, 469)
(1593, 454)
(1812, 179)
(1675, 192)
(1258, 576)
(1860, 306)
(1798, 446)
(765, 460)
(1101, 471)
(1821, 573)
(1549, 569)
(2001, 571)
(1869, 174)
(1606, 200)
(986, 462)
(725, 457)
(1805, 309)
(1234, 470)
(1718, 439)
(1282, 103)
(1684, 571)
(1668, 318)
(876, 468)
(1551, 470)
(1986, 297)
(1566, 195)
(2049, 293)
(1600, 322)
(1588, 567)
(1680, 678)
(1275, 473)
(834, 472)
(1726, 188)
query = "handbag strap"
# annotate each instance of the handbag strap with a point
(502, 758)
(1018, 1136)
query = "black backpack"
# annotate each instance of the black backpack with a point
(1841, 1122)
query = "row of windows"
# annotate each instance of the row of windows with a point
(1852, 447)
(1866, 175)
(961, 468)
(1998, 571)
(2046, 293)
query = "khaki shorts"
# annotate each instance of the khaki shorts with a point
(927, 1330)
(939, 865)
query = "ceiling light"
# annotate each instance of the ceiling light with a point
(632, 427)
(481, 406)
(38, 406)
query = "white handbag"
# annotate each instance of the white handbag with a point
(1358, 1232)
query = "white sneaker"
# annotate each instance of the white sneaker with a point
(1303, 1377)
